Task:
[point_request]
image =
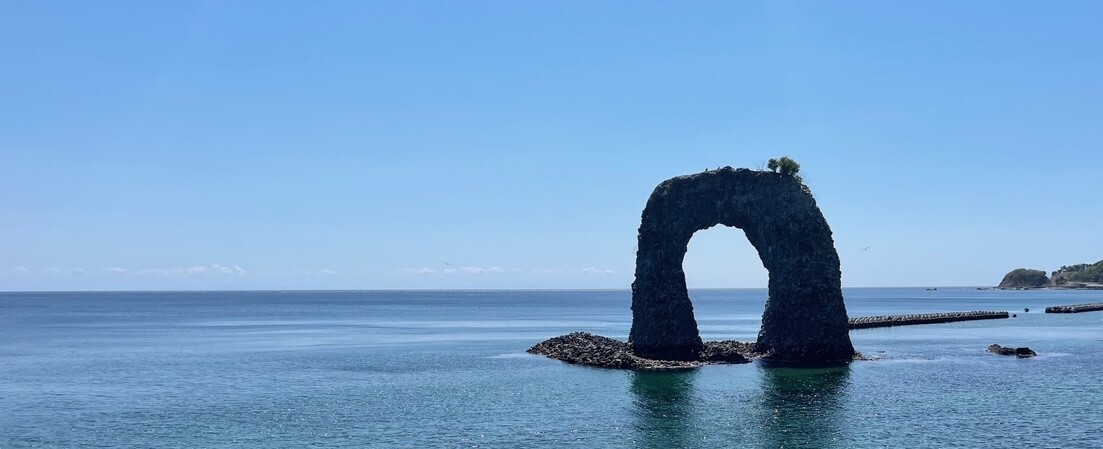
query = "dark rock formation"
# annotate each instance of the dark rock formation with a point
(1024, 278)
(1021, 353)
(805, 319)
(729, 351)
(593, 350)
(867, 322)
(1075, 308)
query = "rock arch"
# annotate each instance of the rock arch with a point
(805, 320)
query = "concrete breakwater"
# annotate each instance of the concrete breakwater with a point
(867, 322)
(1075, 308)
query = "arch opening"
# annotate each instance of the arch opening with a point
(804, 321)
(722, 257)
(726, 282)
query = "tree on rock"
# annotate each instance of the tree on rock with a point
(785, 166)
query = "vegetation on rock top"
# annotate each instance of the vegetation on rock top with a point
(785, 166)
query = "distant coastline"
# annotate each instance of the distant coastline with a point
(1089, 286)
(1069, 277)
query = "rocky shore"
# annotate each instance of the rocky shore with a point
(584, 348)
(867, 322)
(1075, 308)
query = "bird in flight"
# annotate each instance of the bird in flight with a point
(446, 263)
(866, 248)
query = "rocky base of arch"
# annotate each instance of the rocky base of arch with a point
(584, 348)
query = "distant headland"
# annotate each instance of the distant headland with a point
(1079, 276)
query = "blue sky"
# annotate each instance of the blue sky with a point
(360, 145)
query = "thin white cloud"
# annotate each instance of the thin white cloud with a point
(598, 271)
(327, 271)
(214, 268)
(462, 270)
(50, 271)
(233, 269)
(419, 270)
(495, 269)
(479, 270)
(118, 270)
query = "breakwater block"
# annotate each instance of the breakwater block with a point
(1075, 308)
(867, 322)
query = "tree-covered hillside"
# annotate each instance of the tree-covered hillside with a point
(1079, 273)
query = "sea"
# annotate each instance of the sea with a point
(337, 369)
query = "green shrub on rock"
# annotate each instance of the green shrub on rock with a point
(785, 166)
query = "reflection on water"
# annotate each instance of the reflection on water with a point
(801, 407)
(789, 407)
(664, 403)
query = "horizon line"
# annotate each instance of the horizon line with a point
(446, 289)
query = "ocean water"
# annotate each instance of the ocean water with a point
(449, 369)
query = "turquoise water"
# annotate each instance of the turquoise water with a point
(448, 369)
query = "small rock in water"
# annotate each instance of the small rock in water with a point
(1022, 353)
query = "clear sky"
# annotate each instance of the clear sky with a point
(363, 145)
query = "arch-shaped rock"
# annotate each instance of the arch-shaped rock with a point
(805, 319)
